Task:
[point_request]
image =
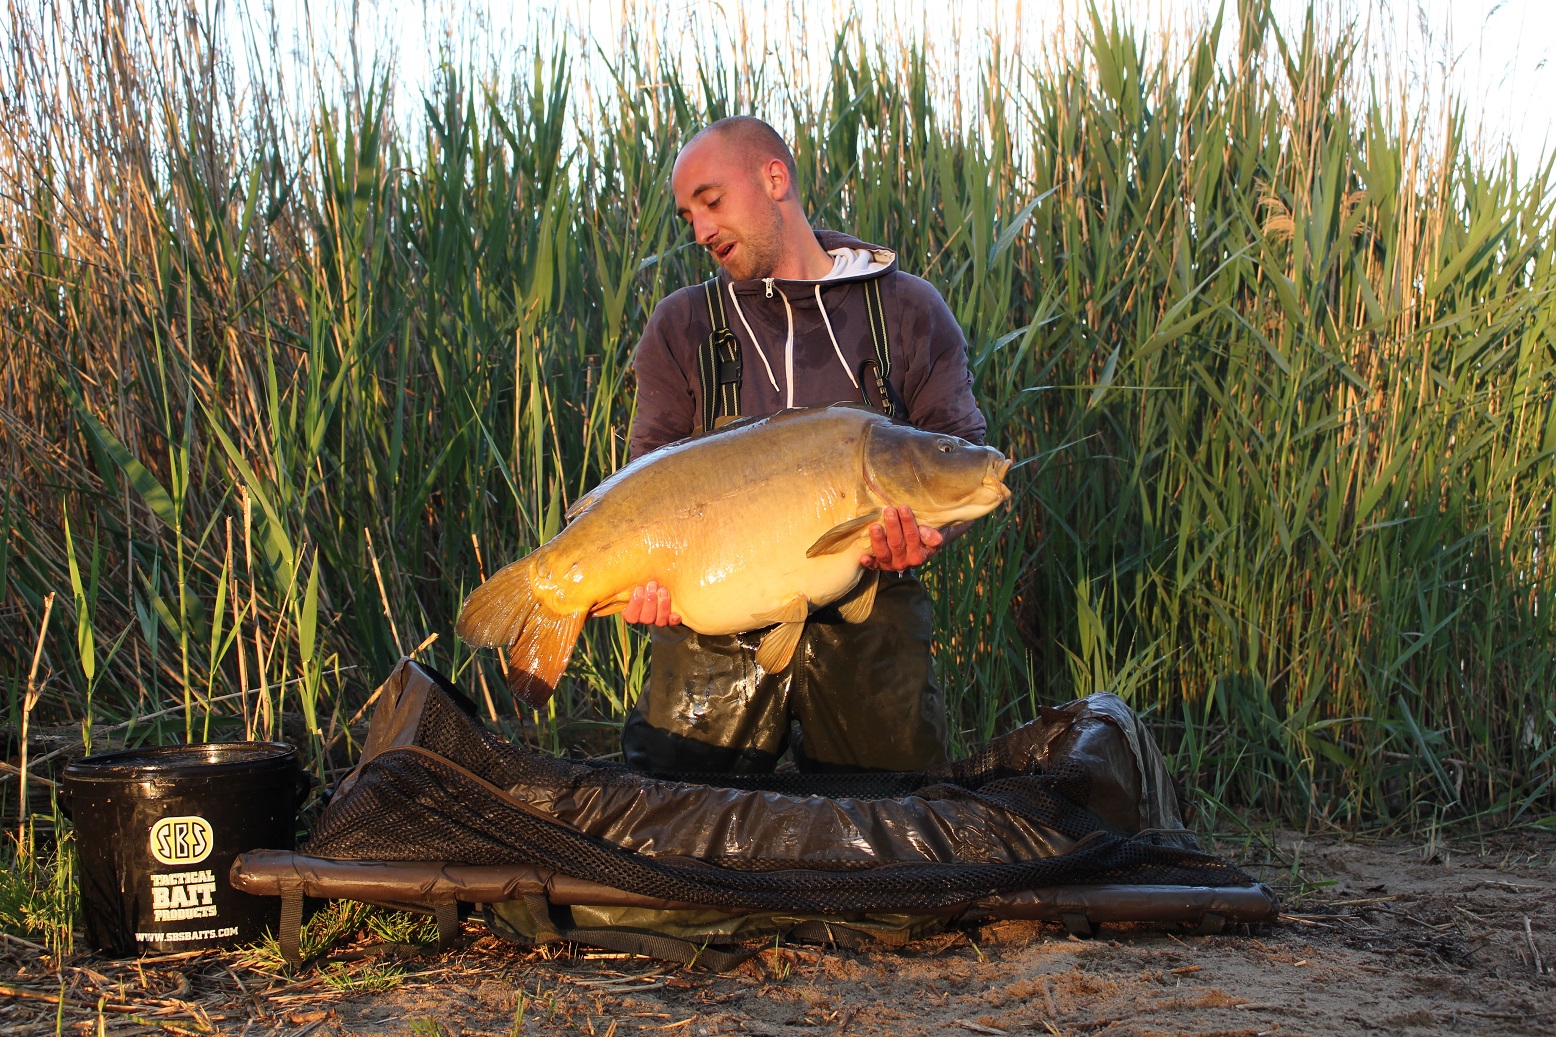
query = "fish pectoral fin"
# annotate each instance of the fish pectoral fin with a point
(611, 606)
(777, 648)
(856, 607)
(841, 535)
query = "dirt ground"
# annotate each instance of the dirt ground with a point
(1378, 938)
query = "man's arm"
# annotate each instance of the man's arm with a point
(666, 393)
(936, 383)
(666, 412)
(937, 388)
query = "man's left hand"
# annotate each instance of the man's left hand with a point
(898, 542)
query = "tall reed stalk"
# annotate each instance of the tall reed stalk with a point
(281, 380)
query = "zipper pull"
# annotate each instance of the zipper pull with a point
(768, 281)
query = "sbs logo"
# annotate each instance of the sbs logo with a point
(181, 840)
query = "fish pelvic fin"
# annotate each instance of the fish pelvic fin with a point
(842, 535)
(792, 611)
(777, 648)
(855, 608)
(504, 613)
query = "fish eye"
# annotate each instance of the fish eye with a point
(944, 446)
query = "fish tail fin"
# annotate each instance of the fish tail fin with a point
(504, 613)
(495, 613)
(537, 660)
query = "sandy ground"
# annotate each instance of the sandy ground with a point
(1379, 938)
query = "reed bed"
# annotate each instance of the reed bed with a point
(280, 381)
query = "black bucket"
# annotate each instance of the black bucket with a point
(157, 829)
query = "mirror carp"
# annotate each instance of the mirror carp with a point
(752, 526)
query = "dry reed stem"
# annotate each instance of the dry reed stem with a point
(28, 702)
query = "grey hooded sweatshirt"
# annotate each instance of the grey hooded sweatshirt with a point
(802, 343)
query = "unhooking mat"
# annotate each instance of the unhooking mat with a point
(1070, 818)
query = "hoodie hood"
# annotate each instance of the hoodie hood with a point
(861, 261)
(850, 263)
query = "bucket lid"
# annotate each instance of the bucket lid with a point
(208, 759)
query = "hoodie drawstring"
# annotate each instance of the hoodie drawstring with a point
(759, 351)
(835, 347)
(788, 344)
(788, 351)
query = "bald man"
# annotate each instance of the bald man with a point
(795, 317)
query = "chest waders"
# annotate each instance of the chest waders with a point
(856, 697)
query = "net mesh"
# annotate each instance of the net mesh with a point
(441, 798)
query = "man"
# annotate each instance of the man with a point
(816, 317)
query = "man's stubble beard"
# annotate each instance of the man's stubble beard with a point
(760, 251)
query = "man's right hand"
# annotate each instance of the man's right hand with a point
(650, 604)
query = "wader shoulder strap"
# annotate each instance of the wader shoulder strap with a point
(890, 403)
(718, 364)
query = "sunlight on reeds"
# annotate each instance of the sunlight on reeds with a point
(280, 380)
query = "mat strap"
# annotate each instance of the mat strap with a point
(646, 942)
(289, 934)
(446, 912)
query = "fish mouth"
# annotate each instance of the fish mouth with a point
(995, 479)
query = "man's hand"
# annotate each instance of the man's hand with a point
(898, 542)
(650, 604)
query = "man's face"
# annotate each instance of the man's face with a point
(729, 201)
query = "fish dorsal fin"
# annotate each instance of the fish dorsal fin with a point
(789, 413)
(579, 506)
(777, 648)
(856, 607)
(842, 535)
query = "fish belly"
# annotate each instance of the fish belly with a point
(735, 604)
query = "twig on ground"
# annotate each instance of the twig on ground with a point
(1539, 966)
(8, 938)
(980, 1028)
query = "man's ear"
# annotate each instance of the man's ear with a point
(775, 176)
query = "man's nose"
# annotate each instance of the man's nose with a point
(704, 230)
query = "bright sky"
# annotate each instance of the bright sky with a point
(1496, 53)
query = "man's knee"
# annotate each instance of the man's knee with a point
(657, 751)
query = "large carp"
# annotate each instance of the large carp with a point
(752, 526)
